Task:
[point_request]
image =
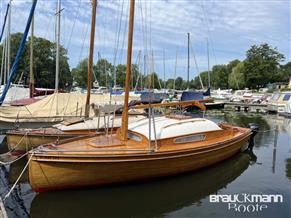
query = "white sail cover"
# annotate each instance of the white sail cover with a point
(168, 127)
(55, 107)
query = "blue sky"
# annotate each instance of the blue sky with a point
(231, 26)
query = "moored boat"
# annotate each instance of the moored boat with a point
(146, 149)
(27, 139)
(287, 110)
(278, 102)
(180, 146)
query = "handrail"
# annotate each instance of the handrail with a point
(171, 104)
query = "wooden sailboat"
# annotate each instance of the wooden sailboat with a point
(146, 149)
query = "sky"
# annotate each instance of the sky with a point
(160, 30)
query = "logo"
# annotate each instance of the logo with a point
(247, 203)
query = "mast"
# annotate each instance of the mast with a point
(91, 53)
(124, 128)
(208, 63)
(58, 29)
(188, 67)
(164, 70)
(19, 53)
(9, 39)
(31, 76)
(175, 72)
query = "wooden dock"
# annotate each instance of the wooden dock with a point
(247, 107)
(3, 213)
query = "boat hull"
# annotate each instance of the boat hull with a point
(52, 173)
(22, 142)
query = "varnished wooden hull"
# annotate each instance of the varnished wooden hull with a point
(192, 188)
(52, 173)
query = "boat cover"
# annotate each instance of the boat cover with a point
(56, 107)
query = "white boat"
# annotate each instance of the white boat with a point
(247, 96)
(15, 92)
(278, 102)
(221, 94)
(287, 109)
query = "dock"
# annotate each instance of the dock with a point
(3, 213)
(247, 107)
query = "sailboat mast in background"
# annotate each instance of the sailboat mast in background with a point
(58, 29)
(91, 53)
(9, 38)
(188, 67)
(31, 76)
(208, 63)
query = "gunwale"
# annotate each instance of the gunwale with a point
(138, 153)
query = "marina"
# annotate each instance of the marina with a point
(112, 116)
(244, 173)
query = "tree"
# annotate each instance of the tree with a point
(219, 76)
(80, 73)
(152, 81)
(236, 79)
(43, 63)
(285, 72)
(262, 65)
(103, 70)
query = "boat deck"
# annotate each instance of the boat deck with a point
(101, 144)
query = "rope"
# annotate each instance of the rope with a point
(8, 194)
(2, 208)
(9, 152)
(268, 130)
(13, 161)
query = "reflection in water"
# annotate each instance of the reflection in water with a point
(243, 120)
(288, 168)
(253, 157)
(275, 150)
(147, 199)
(17, 204)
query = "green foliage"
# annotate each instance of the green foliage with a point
(236, 79)
(43, 64)
(262, 65)
(219, 76)
(80, 73)
(285, 72)
(103, 71)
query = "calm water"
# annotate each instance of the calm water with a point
(265, 171)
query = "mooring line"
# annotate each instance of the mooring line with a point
(2, 209)
(9, 152)
(26, 165)
(268, 130)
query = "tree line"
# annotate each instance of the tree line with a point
(260, 67)
(44, 59)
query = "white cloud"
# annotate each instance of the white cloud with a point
(231, 25)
